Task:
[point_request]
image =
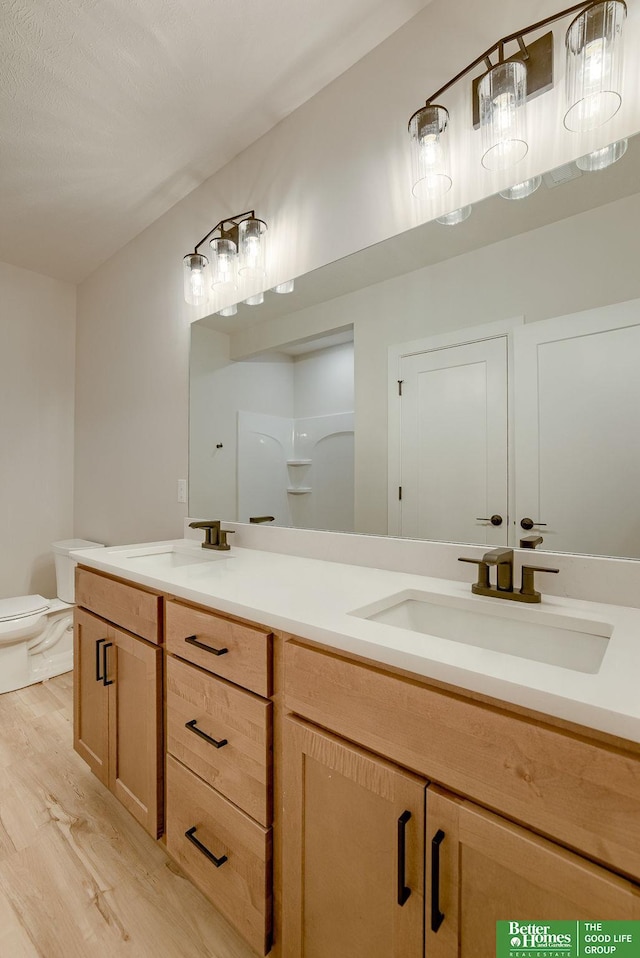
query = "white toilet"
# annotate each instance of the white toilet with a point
(36, 634)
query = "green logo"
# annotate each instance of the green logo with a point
(567, 939)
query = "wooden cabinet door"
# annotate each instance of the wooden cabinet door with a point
(482, 869)
(135, 727)
(90, 694)
(353, 850)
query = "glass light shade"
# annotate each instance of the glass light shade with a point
(284, 287)
(521, 190)
(196, 282)
(229, 310)
(252, 248)
(224, 263)
(601, 159)
(455, 217)
(503, 94)
(594, 65)
(431, 174)
(255, 300)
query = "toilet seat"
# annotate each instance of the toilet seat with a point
(22, 606)
(21, 618)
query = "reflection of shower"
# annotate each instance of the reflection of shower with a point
(299, 470)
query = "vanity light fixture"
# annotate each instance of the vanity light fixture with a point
(284, 288)
(237, 249)
(499, 96)
(195, 268)
(601, 159)
(503, 93)
(521, 190)
(455, 217)
(430, 151)
(594, 65)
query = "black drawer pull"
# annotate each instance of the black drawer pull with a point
(105, 667)
(191, 835)
(437, 917)
(191, 640)
(99, 677)
(403, 890)
(217, 743)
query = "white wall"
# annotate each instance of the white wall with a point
(323, 381)
(37, 359)
(219, 389)
(330, 179)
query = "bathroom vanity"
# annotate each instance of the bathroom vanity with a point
(339, 785)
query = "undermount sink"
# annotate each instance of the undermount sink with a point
(542, 636)
(162, 558)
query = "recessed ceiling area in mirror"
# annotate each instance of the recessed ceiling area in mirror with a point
(565, 250)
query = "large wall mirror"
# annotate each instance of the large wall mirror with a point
(515, 337)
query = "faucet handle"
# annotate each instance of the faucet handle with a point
(483, 571)
(527, 587)
(211, 527)
(223, 545)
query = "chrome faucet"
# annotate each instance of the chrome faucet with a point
(214, 536)
(503, 560)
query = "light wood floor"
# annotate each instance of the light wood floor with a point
(79, 878)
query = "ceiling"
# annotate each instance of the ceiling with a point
(111, 111)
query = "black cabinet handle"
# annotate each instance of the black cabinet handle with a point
(437, 917)
(105, 668)
(99, 678)
(191, 835)
(217, 743)
(191, 640)
(403, 890)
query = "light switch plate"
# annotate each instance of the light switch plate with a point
(182, 490)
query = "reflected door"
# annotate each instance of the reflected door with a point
(577, 403)
(453, 444)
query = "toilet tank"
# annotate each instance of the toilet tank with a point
(66, 564)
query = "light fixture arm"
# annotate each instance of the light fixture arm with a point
(233, 221)
(499, 46)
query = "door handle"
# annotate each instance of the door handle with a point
(217, 743)
(105, 663)
(403, 890)
(495, 520)
(528, 523)
(437, 916)
(191, 640)
(99, 677)
(190, 834)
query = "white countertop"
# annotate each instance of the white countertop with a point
(312, 598)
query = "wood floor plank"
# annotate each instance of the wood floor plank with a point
(14, 938)
(78, 876)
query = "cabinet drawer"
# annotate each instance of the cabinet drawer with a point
(240, 653)
(240, 887)
(128, 606)
(240, 722)
(583, 794)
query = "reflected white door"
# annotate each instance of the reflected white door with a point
(577, 410)
(453, 445)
